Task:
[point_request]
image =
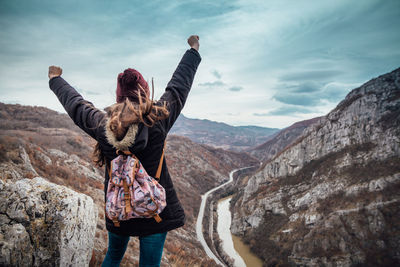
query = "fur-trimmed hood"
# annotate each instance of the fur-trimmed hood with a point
(126, 142)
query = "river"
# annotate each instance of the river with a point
(225, 237)
(233, 245)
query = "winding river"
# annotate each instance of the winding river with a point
(224, 227)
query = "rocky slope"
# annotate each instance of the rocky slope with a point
(332, 197)
(43, 224)
(221, 135)
(35, 141)
(281, 140)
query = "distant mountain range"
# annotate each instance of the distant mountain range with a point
(221, 135)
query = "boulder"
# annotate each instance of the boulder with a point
(44, 224)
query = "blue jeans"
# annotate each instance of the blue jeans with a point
(151, 248)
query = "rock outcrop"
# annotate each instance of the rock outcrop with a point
(331, 197)
(281, 140)
(44, 224)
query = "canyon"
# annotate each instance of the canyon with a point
(331, 197)
(322, 192)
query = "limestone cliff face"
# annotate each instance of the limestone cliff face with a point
(44, 224)
(332, 197)
(281, 140)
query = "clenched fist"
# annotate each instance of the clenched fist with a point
(54, 71)
(193, 41)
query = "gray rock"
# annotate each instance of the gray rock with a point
(42, 157)
(8, 171)
(58, 153)
(27, 162)
(83, 168)
(43, 224)
(16, 248)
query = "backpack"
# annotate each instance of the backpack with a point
(132, 193)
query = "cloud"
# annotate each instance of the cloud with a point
(261, 114)
(335, 91)
(305, 87)
(312, 93)
(312, 75)
(300, 94)
(87, 92)
(203, 9)
(216, 74)
(235, 88)
(299, 99)
(284, 58)
(211, 84)
(290, 110)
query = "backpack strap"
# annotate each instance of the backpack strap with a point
(124, 152)
(158, 173)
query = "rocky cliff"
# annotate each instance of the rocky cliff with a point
(331, 197)
(44, 224)
(281, 140)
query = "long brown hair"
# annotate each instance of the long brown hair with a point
(122, 115)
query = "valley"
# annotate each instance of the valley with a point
(320, 192)
(38, 142)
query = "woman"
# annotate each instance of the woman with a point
(140, 125)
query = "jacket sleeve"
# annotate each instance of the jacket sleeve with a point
(82, 112)
(179, 86)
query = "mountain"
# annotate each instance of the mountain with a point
(282, 139)
(36, 141)
(332, 197)
(221, 135)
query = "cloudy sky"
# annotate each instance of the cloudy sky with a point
(266, 63)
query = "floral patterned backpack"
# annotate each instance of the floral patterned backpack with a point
(132, 193)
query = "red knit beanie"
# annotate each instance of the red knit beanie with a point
(127, 86)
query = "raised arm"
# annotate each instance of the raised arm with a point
(179, 86)
(82, 112)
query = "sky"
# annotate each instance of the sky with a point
(266, 63)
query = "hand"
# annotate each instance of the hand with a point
(193, 41)
(54, 71)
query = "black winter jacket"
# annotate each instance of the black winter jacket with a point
(146, 143)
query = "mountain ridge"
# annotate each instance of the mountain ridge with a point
(222, 135)
(317, 200)
(279, 141)
(202, 131)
